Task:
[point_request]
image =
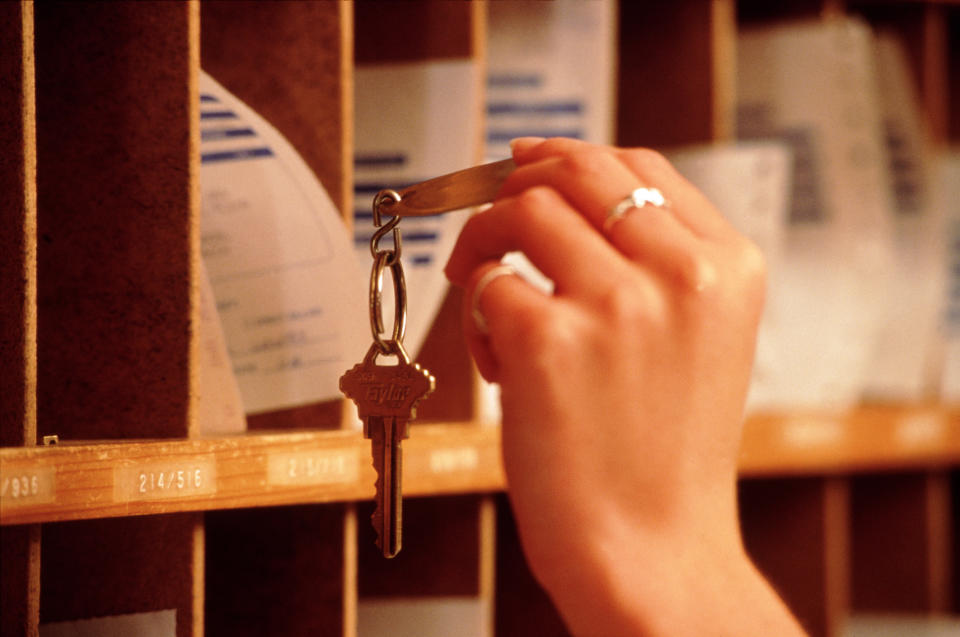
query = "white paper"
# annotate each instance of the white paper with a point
(541, 83)
(750, 184)
(414, 121)
(220, 405)
(551, 71)
(814, 86)
(288, 289)
(949, 181)
(893, 625)
(902, 366)
(423, 617)
(161, 623)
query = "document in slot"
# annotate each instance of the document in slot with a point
(539, 83)
(220, 406)
(813, 85)
(749, 182)
(414, 121)
(903, 365)
(948, 178)
(423, 617)
(289, 292)
(161, 623)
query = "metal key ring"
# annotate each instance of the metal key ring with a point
(382, 261)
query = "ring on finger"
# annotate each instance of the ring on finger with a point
(479, 320)
(639, 198)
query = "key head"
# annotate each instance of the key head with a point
(386, 391)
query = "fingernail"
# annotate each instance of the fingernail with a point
(529, 141)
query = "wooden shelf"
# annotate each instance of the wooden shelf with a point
(109, 479)
(90, 480)
(871, 437)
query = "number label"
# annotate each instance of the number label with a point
(321, 466)
(21, 486)
(454, 459)
(164, 480)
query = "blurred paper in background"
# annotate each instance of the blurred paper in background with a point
(813, 86)
(551, 71)
(903, 365)
(288, 290)
(749, 183)
(949, 180)
(414, 121)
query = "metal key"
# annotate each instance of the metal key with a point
(386, 397)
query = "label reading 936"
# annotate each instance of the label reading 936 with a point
(26, 485)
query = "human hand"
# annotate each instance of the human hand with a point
(623, 392)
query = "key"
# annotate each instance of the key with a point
(386, 397)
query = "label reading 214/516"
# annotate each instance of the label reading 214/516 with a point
(160, 481)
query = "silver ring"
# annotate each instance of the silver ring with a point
(637, 199)
(479, 320)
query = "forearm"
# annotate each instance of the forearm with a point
(676, 592)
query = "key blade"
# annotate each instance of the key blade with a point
(387, 457)
(462, 189)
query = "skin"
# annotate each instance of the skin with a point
(623, 392)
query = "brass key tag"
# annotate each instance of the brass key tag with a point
(387, 395)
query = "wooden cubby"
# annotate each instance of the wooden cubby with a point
(99, 259)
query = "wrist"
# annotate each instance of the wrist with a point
(666, 584)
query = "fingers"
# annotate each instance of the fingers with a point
(648, 167)
(554, 208)
(593, 179)
(499, 300)
(540, 223)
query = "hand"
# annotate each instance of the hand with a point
(623, 392)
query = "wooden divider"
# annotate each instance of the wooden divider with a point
(20, 583)
(277, 571)
(19, 546)
(955, 524)
(441, 543)
(797, 532)
(408, 31)
(922, 29)
(445, 355)
(952, 53)
(298, 571)
(118, 240)
(750, 11)
(116, 179)
(102, 568)
(902, 553)
(522, 605)
(670, 90)
(18, 218)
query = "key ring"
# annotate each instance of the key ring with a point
(395, 344)
(383, 259)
